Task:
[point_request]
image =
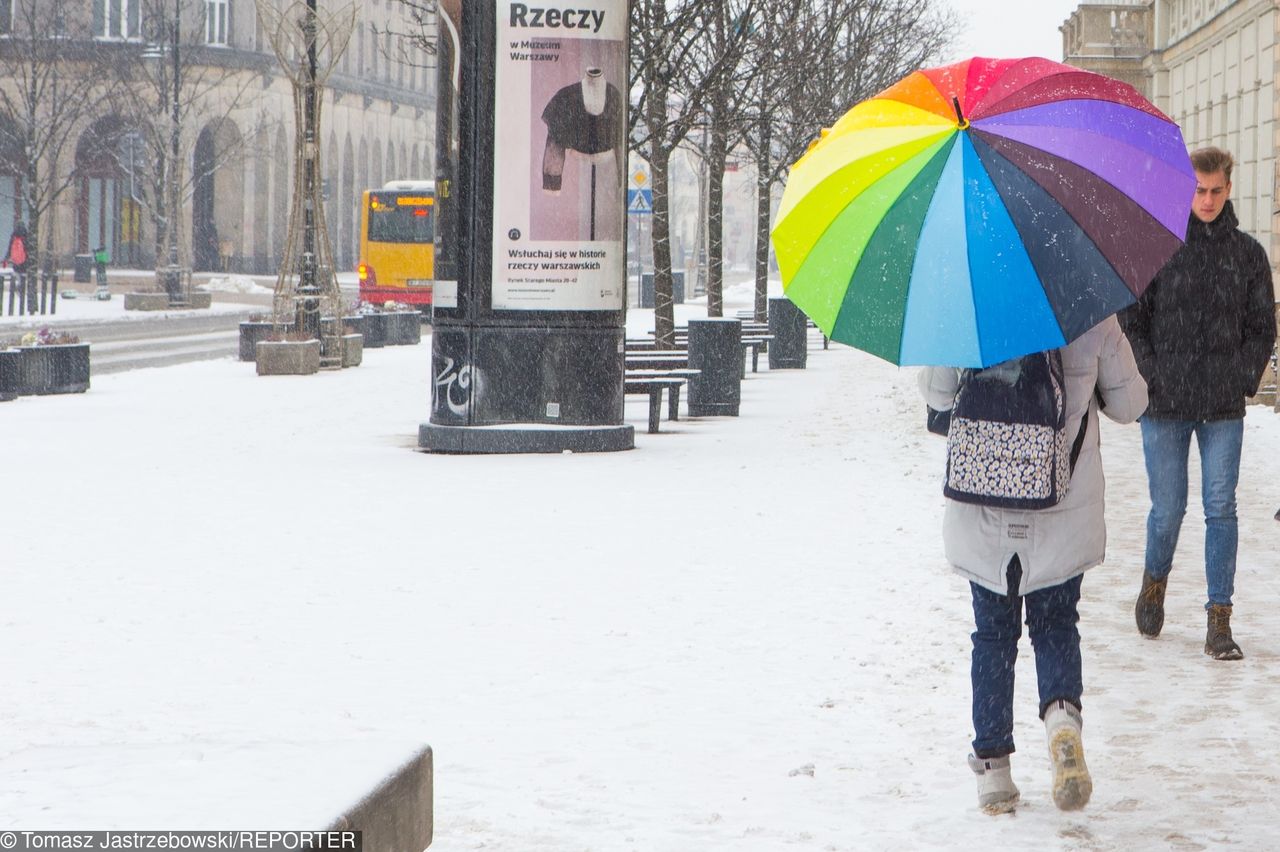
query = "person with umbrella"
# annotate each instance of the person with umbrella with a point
(1034, 560)
(1203, 333)
(970, 216)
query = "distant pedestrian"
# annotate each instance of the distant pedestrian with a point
(1038, 557)
(16, 254)
(1203, 333)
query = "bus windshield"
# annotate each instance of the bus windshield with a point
(400, 217)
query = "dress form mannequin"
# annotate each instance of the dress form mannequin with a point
(593, 91)
(584, 117)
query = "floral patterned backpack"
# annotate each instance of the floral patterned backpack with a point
(1007, 443)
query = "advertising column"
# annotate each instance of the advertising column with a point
(531, 250)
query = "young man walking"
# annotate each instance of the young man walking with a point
(1202, 334)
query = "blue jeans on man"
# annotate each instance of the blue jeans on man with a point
(1166, 445)
(1052, 615)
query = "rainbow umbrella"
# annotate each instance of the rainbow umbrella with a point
(984, 210)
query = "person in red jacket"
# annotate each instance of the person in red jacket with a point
(16, 253)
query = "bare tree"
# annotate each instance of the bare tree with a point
(418, 31)
(308, 43)
(172, 81)
(825, 56)
(50, 85)
(728, 43)
(670, 89)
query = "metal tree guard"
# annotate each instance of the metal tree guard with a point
(302, 37)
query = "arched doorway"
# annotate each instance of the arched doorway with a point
(217, 202)
(283, 169)
(350, 207)
(110, 159)
(332, 202)
(375, 166)
(13, 170)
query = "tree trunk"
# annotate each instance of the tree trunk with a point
(717, 153)
(764, 204)
(663, 312)
(659, 166)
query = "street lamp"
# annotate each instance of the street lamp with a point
(172, 276)
(308, 307)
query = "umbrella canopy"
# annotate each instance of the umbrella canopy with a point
(984, 210)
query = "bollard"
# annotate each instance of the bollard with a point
(33, 287)
(789, 349)
(715, 348)
(42, 282)
(53, 292)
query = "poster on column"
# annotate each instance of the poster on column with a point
(560, 156)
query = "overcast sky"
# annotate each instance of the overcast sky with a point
(1000, 28)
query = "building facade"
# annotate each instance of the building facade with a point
(235, 125)
(1211, 66)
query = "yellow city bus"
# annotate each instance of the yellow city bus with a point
(397, 255)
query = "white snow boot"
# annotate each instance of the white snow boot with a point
(997, 793)
(1072, 785)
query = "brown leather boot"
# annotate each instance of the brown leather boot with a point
(1217, 641)
(1149, 611)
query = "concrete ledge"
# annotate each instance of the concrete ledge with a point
(201, 299)
(382, 789)
(398, 814)
(146, 301)
(287, 357)
(352, 350)
(525, 438)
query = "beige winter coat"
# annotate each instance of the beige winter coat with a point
(1058, 543)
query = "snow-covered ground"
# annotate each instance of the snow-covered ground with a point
(741, 635)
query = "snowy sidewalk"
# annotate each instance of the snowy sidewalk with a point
(197, 556)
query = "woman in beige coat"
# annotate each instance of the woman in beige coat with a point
(1011, 556)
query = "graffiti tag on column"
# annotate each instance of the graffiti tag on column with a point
(450, 379)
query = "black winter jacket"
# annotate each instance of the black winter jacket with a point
(1202, 333)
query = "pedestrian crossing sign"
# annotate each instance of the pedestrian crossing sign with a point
(640, 201)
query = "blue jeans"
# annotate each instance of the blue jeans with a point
(1051, 621)
(1166, 445)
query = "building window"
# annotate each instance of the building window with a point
(6, 17)
(117, 18)
(215, 21)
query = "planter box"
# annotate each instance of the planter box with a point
(288, 357)
(146, 301)
(201, 299)
(53, 369)
(10, 364)
(251, 331)
(375, 330)
(352, 350)
(404, 328)
(355, 324)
